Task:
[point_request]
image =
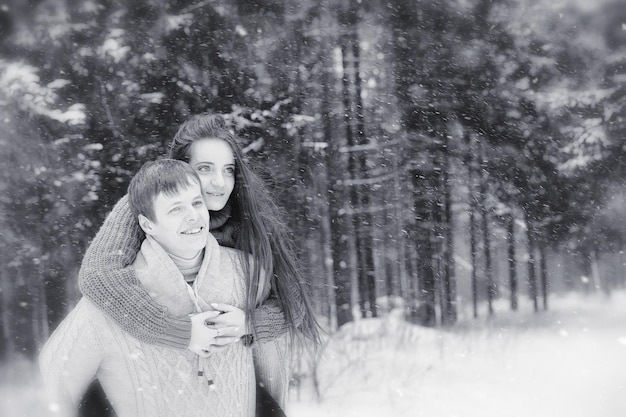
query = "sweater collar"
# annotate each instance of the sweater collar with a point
(188, 267)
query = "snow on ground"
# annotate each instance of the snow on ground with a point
(569, 361)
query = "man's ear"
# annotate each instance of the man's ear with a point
(145, 224)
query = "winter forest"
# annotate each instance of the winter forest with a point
(452, 171)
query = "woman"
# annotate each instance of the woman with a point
(243, 216)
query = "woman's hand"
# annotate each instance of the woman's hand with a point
(205, 337)
(231, 323)
(212, 331)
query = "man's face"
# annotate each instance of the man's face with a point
(181, 221)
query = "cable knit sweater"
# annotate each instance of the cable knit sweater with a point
(106, 274)
(144, 380)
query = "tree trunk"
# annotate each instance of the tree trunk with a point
(342, 238)
(319, 234)
(512, 262)
(598, 281)
(487, 254)
(401, 286)
(327, 251)
(366, 245)
(6, 345)
(327, 255)
(412, 289)
(448, 308)
(491, 287)
(353, 194)
(341, 235)
(42, 326)
(532, 278)
(357, 158)
(426, 313)
(469, 163)
(544, 276)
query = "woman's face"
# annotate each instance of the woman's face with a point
(213, 160)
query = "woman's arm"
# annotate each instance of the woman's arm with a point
(270, 320)
(108, 279)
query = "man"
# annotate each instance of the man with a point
(181, 266)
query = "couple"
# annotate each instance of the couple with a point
(181, 362)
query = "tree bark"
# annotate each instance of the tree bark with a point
(491, 286)
(512, 262)
(357, 158)
(6, 345)
(449, 310)
(426, 313)
(532, 277)
(341, 234)
(401, 286)
(469, 163)
(544, 276)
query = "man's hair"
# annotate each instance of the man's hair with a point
(166, 176)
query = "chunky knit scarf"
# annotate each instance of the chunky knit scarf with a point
(223, 227)
(164, 282)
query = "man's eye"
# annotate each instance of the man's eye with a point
(197, 203)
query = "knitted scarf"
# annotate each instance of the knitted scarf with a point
(165, 283)
(223, 227)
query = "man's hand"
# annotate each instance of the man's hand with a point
(202, 336)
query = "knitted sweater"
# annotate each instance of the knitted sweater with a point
(105, 275)
(146, 380)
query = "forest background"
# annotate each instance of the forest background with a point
(432, 157)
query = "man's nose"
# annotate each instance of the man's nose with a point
(191, 215)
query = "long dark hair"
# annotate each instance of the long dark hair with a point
(261, 232)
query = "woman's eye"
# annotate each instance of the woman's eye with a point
(204, 168)
(175, 210)
(197, 203)
(229, 170)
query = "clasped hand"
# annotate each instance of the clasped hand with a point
(215, 329)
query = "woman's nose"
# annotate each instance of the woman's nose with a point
(217, 180)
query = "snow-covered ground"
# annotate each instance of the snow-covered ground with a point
(570, 362)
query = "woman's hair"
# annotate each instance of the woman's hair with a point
(163, 176)
(261, 233)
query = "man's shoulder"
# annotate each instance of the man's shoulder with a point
(232, 258)
(230, 251)
(85, 320)
(235, 255)
(86, 312)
